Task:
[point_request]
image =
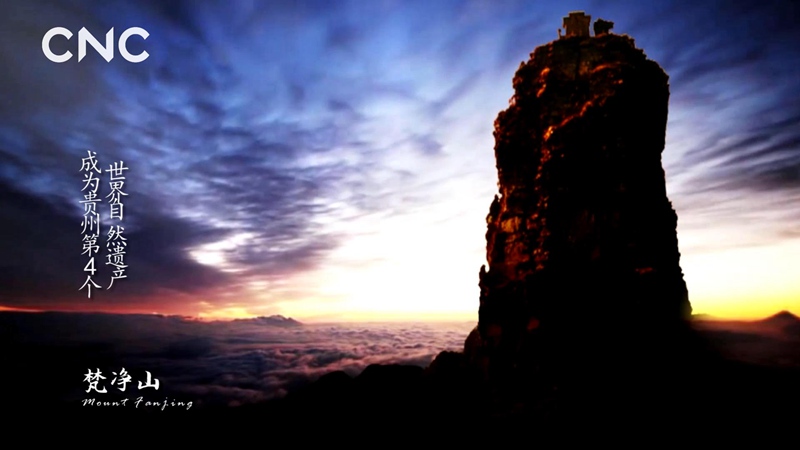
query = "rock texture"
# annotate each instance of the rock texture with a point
(583, 262)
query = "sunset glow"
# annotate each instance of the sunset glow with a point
(336, 163)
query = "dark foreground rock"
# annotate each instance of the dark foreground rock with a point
(449, 399)
(407, 402)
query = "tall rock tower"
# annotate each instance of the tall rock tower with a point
(583, 271)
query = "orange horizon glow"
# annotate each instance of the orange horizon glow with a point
(723, 284)
(227, 314)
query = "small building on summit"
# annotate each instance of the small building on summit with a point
(602, 27)
(576, 24)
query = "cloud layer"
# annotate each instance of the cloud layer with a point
(209, 363)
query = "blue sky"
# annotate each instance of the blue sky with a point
(331, 159)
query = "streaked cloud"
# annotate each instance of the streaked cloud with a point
(273, 144)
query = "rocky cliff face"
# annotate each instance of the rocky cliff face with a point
(581, 242)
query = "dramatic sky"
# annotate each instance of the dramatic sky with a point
(333, 160)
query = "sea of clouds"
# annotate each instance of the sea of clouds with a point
(209, 363)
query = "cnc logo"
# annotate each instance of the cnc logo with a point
(84, 37)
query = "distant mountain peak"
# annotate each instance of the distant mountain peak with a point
(783, 318)
(703, 317)
(273, 320)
